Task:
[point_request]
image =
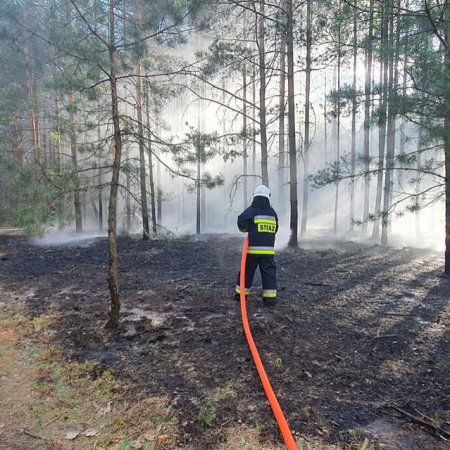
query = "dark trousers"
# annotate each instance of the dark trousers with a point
(268, 271)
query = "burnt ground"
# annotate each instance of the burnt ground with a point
(358, 329)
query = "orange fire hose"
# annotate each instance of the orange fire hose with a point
(278, 413)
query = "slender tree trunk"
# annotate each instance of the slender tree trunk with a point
(404, 86)
(45, 148)
(244, 129)
(128, 195)
(293, 239)
(417, 182)
(353, 141)
(253, 81)
(203, 211)
(367, 101)
(100, 188)
(129, 168)
(58, 152)
(100, 203)
(447, 144)
(201, 127)
(262, 94)
(338, 134)
(447, 180)
(282, 125)
(390, 138)
(198, 187)
(159, 191)
(381, 150)
(18, 143)
(113, 284)
(73, 151)
(396, 57)
(84, 205)
(150, 165)
(31, 94)
(325, 118)
(381, 124)
(307, 106)
(139, 104)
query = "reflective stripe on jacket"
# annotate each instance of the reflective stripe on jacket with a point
(261, 225)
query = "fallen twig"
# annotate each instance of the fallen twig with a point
(434, 429)
(182, 288)
(28, 433)
(51, 421)
(386, 336)
(226, 422)
(397, 314)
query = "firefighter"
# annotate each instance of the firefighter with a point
(261, 223)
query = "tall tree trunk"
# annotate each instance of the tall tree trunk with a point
(128, 194)
(353, 141)
(325, 119)
(45, 148)
(447, 179)
(395, 88)
(150, 165)
(307, 106)
(159, 191)
(58, 153)
(282, 125)
(201, 127)
(159, 194)
(203, 210)
(113, 284)
(293, 239)
(198, 189)
(18, 143)
(244, 130)
(139, 104)
(338, 134)
(367, 101)
(262, 93)
(403, 121)
(100, 187)
(447, 143)
(417, 182)
(390, 137)
(381, 123)
(253, 81)
(100, 202)
(73, 151)
(31, 94)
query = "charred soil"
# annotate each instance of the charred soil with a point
(360, 335)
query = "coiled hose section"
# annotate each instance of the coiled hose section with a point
(271, 397)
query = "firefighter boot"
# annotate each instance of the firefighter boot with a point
(270, 301)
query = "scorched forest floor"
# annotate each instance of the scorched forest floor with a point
(361, 333)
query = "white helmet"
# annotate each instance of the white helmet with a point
(262, 191)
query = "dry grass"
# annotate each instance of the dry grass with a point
(243, 438)
(48, 402)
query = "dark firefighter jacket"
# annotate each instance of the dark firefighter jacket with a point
(261, 222)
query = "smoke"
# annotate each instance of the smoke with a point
(65, 237)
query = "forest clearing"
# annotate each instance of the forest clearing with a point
(180, 359)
